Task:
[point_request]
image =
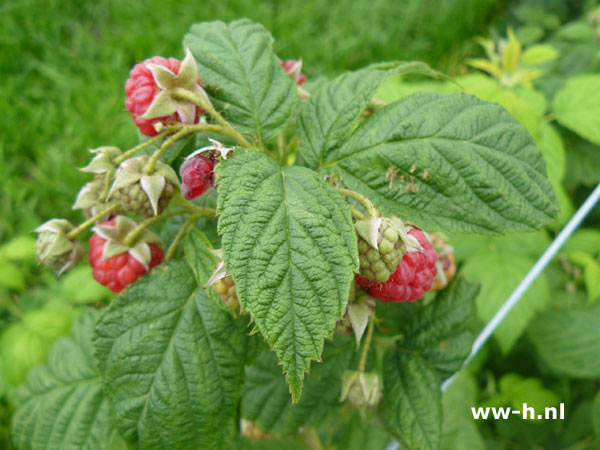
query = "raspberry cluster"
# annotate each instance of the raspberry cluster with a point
(412, 277)
(121, 270)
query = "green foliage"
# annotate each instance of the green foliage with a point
(62, 405)
(332, 113)
(171, 362)
(459, 431)
(266, 396)
(437, 341)
(499, 270)
(292, 259)
(234, 61)
(174, 368)
(27, 342)
(568, 341)
(577, 106)
(454, 172)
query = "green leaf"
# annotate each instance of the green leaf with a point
(360, 433)
(11, 276)
(242, 76)
(440, 331)
(62, 405)
(584, 240)
(289, 243)
(459, 431)
(519, 390)
(27, 343)
(550, 144)
(330, 115)
(437, 340)
(198, 255)
(19, 249)
(411, 401)
(266, 399)
(568, 341)
(577, 106)
(79, 287)
(452, 161)
(172, 362)
(499, 273)
(539, 54)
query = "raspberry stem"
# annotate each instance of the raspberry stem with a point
(149, 168)
(91, 221)
(357, 214)
(189, 223)
(186, 95)
(370, 207)
(139, 147)
(365, 352)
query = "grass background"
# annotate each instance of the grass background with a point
(64, 64)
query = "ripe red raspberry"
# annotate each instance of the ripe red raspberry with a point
(293, 67)
(197, 176)
(119, 271)
(411, 279)
(140, 90)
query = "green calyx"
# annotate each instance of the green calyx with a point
(140, 193)
(54, 248)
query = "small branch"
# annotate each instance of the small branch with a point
(91, 221)
(139, 147)
(189, 223)
(149, 168)
(371, 210)
(186, 95)
(357, 214)
(137, 231)
(365, 352)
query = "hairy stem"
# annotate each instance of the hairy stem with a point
(370, 207)
(134, 234)
(91, 221)
(139, 147)
(189, 223)
(186, 95)
(365, 351)
(357, 214)
(149, 168)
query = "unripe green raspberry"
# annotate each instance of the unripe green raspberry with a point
(134, 199)
(378, 264)
(225, 288)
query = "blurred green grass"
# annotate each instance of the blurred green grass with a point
(64, 63)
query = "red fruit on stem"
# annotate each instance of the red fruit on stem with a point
(197, 176)
(411, 279)
(140, 90)
(121, 270)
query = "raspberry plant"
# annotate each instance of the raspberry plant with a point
(246, 334)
